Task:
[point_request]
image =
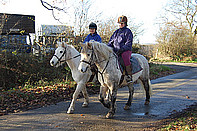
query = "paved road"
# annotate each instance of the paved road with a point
(170, 94)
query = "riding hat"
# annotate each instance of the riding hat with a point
(122, 19)
(93, 26)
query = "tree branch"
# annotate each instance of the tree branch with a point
(52, 8)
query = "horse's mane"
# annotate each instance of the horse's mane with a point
(71, 46)
(64, 44)
(101, 48)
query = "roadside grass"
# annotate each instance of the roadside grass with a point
(181, 61)
(183, 121)
(159, 70)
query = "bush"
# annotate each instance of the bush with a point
(26, 69)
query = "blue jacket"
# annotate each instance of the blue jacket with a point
(95, 37)
(122, 38)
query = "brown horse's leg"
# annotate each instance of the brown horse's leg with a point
(131, 91)
(147, 89)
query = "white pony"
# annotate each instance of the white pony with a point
(110, 74)
(67, 53)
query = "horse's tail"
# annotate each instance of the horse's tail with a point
(143, 86)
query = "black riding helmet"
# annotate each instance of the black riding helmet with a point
(93, 26)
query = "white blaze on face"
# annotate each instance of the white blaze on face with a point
(54, 59)
(83, 66)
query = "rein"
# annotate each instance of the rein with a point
(103, 71)
(71, 58)
(59, 59)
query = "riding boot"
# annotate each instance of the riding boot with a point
(129, 74)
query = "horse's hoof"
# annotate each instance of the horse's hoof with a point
(126, 107)
(85, 104)
(109, 116)
(146, 102)
(70, 111)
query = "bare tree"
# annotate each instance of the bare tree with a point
(78, 11)
(53, 8)
(176, 37)
(84, 13)
(136, 29)
(185, 11)
(3, 2)
(107, 27)
(175, 42)
(81, 10)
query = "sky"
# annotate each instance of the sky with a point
(143, 11)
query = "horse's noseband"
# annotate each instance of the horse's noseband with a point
(86, 62)
(59, 58)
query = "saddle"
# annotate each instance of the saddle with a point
(134, 63)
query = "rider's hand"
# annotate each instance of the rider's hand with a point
(119, 52)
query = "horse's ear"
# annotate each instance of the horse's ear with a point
(63, 44)
(89, 45)
(59, 44)
(56, 45)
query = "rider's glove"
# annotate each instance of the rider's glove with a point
(119, 52)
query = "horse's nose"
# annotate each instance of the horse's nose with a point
(52, 63)
(83, 70)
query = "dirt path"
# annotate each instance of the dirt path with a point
(169, 96)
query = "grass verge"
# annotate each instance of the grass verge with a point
(159, 70)
(182, 121)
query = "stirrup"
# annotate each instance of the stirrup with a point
(129, 79)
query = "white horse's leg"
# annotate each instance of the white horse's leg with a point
(102, 96)
(107, 95)
(86, 98)
(112, 110)
(79, 88)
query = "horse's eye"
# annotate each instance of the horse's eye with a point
(88, 54)
(61, 51)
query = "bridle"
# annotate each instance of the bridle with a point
(91, 64)
(101, 72)
(59, 58)
(91, 59)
